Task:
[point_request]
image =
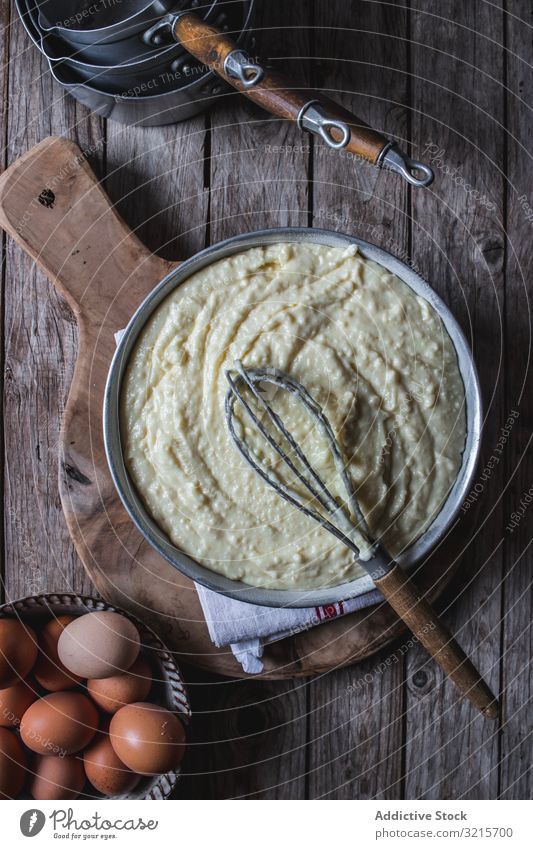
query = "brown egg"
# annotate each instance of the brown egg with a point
(110, 694)
(18, 651)
(57, 778)
(59, 724)
(147, 738)
(14, 702)
(105, 770)
(99, 645)
(12, 765)
(49, 671)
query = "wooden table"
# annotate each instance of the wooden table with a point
(454, 81)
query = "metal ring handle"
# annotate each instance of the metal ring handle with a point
(329, 124)
(313, 118)
(394, 159)
(239, 66)
(164, 24)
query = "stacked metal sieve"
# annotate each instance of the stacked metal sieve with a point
(118, 58)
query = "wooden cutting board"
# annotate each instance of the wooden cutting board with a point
(52, 204)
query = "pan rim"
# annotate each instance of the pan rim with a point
(88, 35)
(131, 500)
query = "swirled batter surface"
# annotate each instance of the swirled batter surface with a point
(372, 353)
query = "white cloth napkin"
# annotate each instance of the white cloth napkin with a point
(247, 628)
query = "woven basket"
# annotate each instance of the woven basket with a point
(169, 686)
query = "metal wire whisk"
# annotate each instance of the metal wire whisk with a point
(344, 520)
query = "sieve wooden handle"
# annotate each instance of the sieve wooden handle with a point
(404, 598)
(273, 92)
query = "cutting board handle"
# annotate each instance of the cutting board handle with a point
(53, 205)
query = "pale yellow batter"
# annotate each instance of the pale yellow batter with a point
(371, 352)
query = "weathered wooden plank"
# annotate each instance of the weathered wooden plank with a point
(5, 17)
(260, 163)
(155, 176)
(516, 779)
(250, 737)
(40, 344)
(458, 244)
(356, 713)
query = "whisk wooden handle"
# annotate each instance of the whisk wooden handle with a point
(404, 598)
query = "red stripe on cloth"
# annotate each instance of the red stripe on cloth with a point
(329, 611)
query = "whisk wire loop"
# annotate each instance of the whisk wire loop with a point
(316, 486)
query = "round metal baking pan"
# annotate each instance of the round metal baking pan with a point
(113, 79)
(168, 684)
(156, 102)
(126, 65)
(133, 502)
(130, 54)
(104, 24)
(170, 106)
